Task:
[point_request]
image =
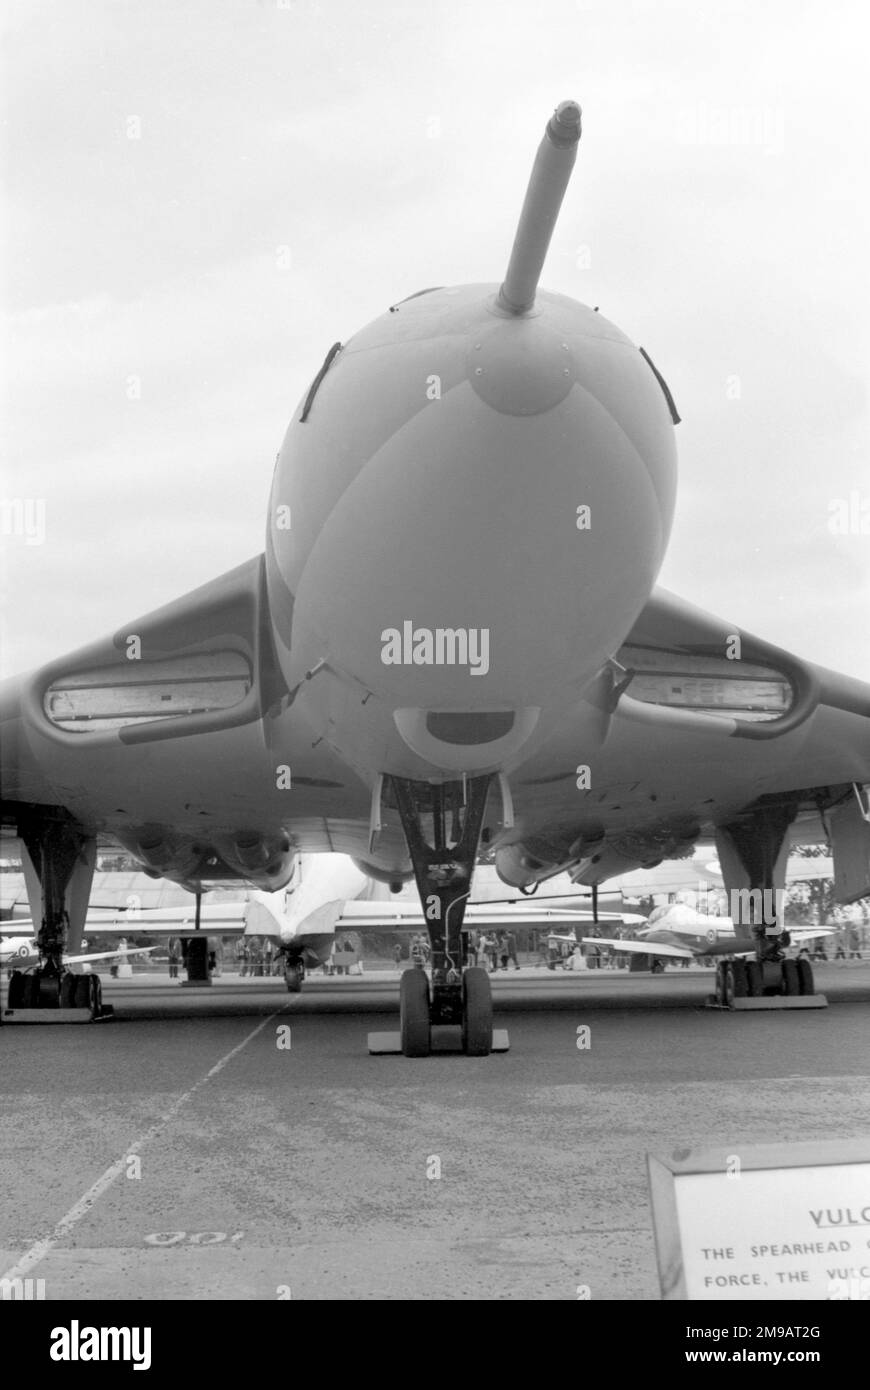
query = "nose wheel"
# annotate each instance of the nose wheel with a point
(414, 1013)
(476, 1012)
(294, 974)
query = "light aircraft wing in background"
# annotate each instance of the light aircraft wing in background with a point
(406, 915)
(646, 948)
(93, 955)
(799, 934)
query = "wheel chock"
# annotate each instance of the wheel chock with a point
(444, 1038)
(768, 1001)
(105, 1012)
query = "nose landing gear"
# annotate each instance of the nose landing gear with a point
(294, 974)
(461, 998)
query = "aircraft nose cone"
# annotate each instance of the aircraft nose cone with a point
(521, 367)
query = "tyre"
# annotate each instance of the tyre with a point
(790, 978)
(739, 984)
(754, 980)
(47, 991)
(726, 988)
(476, 1013)
(293, 979)
(68, 991)
(19, 991)
(82, 992)
(805, 977)
(414, 1013)
(30, 999)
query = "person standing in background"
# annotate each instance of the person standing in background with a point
(492, 954)
(502, 949)
(512, 949)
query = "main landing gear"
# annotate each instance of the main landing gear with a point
(459, 998)
(768, 984)
(58, 862)
(753, 853)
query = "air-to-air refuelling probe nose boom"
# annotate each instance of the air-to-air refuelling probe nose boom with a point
(452, 647)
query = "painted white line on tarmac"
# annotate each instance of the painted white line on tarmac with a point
(85, 1204)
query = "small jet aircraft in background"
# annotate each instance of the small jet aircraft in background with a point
(15, 948)
(678, 932)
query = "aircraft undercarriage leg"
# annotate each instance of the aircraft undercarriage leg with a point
(443, 863)
(294, 973)
(753, 853)
(59, 866)
(195, 953)
(195, 957)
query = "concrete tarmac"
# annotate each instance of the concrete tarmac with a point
(192, 1149)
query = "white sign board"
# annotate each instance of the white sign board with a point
(779, 1221)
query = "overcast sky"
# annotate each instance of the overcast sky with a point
(164, 162)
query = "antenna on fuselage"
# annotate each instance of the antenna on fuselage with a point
(550, 174)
